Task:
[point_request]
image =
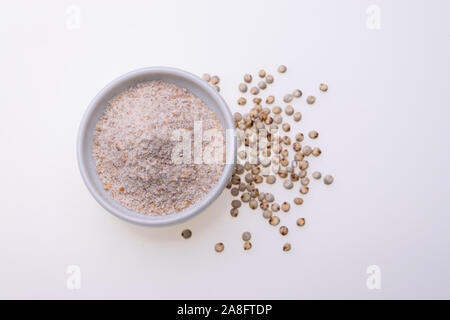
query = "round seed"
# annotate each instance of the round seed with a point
(298, 201)
(262, 85)
(305, 181)
(316, 152)
(297, 116)
(283, 230)
(282, 69)
(274, 220)
(256, 170)
(323, 87)
(234, 192)
(257, 100)
(241, 101)
(285, 206)
(296, 146)
(242, 87)
(237, 116)
(282, 173)
(186, 233)
(270, 99)
(304, 189)
(247, 245)
(316, 175)
(269, 79)
(235, 204)
(247, 78)
(278, 119)
(245, 197)
(302, 173)
(289, 110)
(311, 99)
(328, 179)
(215, 80)
(298, 156)
(287, 98)
(297, 93)
(303, 165)
(267, 214)
(242, 187)
(285, 153)
(313, 134)
(286, 140)
(234, 212)
(299, 137)
(262, 73)
(253, 204)
(307, 150)
(264, 205)
(301, 222)
(275, 207)
(276, 110)
(258, 179)
(254, 193)
(235, 180)
(286, 127)
(251, 187)
(269, 197)
(219, 247)
(261, 196)
(249, 178)
(265, 162)
(294, 177)
(287, 247)
(288, 184)
(271, 179)
(206, 77)
(246, 236)
(254, 90)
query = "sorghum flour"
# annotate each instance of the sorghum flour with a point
(132, 148)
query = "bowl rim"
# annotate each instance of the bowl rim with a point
(192, 211)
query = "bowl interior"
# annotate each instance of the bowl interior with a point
(182, 79)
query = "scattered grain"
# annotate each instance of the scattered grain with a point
(287, 98)
(247, 78)
(219, 247)
(282, 69)
(297, 93)
(274, 220)
(206, 77)
(283, 230)
(311, 99)
(301, 222)
(323, 87)
(246, 236)
(328, 179)
(186, 233)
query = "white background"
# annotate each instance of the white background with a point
(383, 128)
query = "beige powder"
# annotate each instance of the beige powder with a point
(133, 149)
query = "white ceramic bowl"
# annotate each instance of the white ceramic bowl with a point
(184, 79)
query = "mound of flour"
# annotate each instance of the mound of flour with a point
(133, 147)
